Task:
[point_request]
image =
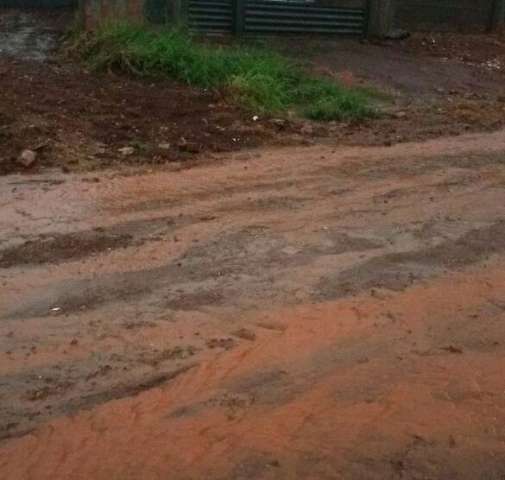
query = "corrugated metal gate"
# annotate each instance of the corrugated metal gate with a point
(274, 16)
(295, 17)
(211, 16)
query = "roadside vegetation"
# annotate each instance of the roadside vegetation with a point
(256, 78)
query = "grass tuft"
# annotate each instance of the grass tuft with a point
(256, 78)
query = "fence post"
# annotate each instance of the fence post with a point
(239, 16)
(380, 17)
(180, 12)
(497, 18)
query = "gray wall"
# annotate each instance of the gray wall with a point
(464, 15)
(37, 3)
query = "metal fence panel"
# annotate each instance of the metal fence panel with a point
(273, 16)
(210, 16)
(296, 17)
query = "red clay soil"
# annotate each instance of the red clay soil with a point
(308, 313)
(408, 387)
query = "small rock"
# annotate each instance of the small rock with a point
(164, 146)
(185, 146)
(27, 158)
(74, 342)
(126, 151)
(452, 349)
(224, 343)
(307, 129)
(245, 334)
(280, 123)
(397, 34)
(290, 251)
(400, 114)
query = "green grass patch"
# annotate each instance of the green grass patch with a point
(256, 78)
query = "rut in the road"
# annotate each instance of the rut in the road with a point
(345, 301)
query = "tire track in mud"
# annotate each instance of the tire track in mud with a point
(200, 259)
(212, 266)
(354, 384)
(397, 271)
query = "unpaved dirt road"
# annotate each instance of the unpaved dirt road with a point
(307, 313)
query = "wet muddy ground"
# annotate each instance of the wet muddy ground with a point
(305, 312)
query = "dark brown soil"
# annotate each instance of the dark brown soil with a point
(77, 120)
(60, 247)
(423, 67)
(80, 120)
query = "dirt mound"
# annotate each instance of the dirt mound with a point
(80, 121)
